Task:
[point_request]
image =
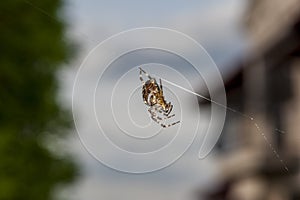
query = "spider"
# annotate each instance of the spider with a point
(153, 97)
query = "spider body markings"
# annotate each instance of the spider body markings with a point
(153, 97)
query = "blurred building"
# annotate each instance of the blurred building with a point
(259, 159)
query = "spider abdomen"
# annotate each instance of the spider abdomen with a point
(154, 98)
(151, 92)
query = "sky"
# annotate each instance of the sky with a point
(216, 25)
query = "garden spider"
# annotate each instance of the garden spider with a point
(154, 98)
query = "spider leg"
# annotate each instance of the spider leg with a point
(141, 77)
(141, 74)
(154, 117)
(160, 85)
(159, 120)
(168, 125)
(166, 117)
(152, 110)
(160, 110)
(170, 110)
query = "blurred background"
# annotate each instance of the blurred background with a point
(255, 45)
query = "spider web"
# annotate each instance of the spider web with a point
(245, 116)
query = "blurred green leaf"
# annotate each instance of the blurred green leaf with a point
(33, 47)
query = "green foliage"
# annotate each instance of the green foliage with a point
(32, 49)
